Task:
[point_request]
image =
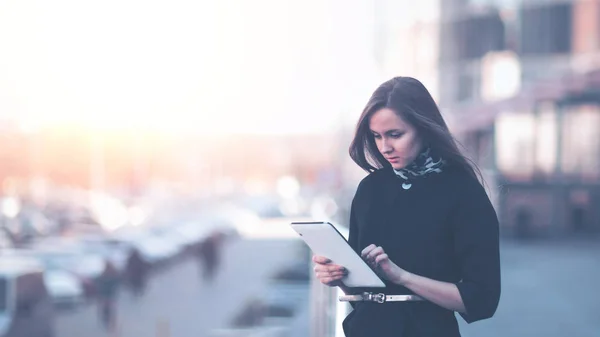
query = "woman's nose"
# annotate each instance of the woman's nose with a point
(386, 147)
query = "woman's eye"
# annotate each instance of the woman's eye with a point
(376, 136)
(396, 135)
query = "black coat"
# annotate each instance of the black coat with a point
(444, 228)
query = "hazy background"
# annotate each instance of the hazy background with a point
(158, 126)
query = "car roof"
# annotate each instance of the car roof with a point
(16, 266)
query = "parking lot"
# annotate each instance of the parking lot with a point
(178, 302)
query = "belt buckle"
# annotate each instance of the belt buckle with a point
(379, 298)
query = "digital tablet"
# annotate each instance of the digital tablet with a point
(325, 240)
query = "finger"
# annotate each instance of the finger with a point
(338, 274)
(321, 259)
(325, 273)
(381, 258)
(321, 276)
(330, 280)
(367, 250)
(328, 267)
(327, 281)
(334, 268)
(338, 277)
(373, 254)
(321, 268)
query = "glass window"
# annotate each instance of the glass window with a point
(526, 144)
(581, 144)
(545, 154)
(546, 29)
(515, 144)
(472, 37)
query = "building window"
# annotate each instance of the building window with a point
(515, 144)
(545, 145)
(546, 29)
(464, 91)
(472, 37)
(580, 142)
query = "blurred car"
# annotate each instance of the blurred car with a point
(192, 232)
(94, 247)
(153, 249)
(172, 236)
(85, 268)
(273, 314)
(113, 250)
(64, 288)
(25, 307)
(299, 272)
(283, 301)
(259, 316)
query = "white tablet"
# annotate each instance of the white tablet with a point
(325, 240)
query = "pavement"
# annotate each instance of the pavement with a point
(549, 289)
(179, 303)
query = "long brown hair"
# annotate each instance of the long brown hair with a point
(408, 98)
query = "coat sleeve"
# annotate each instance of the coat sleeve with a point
(477, 252)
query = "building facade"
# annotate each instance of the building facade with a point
(519, 84)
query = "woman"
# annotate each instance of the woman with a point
(421, 219)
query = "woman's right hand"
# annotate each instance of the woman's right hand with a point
(329, 274)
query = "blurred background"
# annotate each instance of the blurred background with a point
(152, 154)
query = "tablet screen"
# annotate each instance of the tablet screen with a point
(325, 240)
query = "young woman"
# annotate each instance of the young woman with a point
(421, 219)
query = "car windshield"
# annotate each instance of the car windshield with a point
(56, 261)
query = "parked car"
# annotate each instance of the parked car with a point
(81, 267)
(113, 250)
(65, 289)
(25, 306)
(154, 250)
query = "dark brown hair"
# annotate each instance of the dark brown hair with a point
(408, 98)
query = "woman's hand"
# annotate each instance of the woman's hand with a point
(328, 273)
(380, 262)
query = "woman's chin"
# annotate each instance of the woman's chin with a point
(397, 166)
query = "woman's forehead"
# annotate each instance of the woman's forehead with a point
(386, 119)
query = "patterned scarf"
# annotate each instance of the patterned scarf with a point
(423, 165)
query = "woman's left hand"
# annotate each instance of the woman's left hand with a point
(376, 257)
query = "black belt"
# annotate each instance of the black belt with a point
(380, 298)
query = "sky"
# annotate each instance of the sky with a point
(216, 67)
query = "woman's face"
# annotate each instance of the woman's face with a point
(397, 140)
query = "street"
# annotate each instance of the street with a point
(549, 289)
(178, 303)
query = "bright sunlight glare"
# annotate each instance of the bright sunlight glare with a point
(201, 66)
